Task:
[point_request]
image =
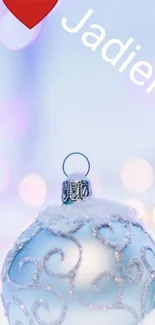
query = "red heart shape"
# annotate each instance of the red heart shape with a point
(30, 12)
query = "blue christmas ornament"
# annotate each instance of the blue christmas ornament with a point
(88, 261)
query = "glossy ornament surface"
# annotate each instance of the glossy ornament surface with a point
(90, 262)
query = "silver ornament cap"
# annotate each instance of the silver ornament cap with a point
(76, 186)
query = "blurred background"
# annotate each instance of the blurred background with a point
(57, 96)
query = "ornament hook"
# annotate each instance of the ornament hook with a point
(76, 153)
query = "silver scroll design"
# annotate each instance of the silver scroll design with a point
(35, 283)
(133, 263)
(19, 245)
(36, 305)
(118, 250)
(35, 309)
(18, 303)
(43, 265)
(119, 247)
(72, 273)
(43, 303)
(149, 282)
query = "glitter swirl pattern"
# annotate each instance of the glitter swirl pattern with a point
(42, 268)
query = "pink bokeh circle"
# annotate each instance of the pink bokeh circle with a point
(33, 190)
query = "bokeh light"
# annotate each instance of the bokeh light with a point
(14, 119)
(137, 175)
(33, 190)
(138, 206)
(14, 35)
(4, 175)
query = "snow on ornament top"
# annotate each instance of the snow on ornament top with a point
(68, 218)
(101, 243)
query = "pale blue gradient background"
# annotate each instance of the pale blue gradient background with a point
(77, 101)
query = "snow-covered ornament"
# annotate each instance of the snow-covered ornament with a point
(88, 261)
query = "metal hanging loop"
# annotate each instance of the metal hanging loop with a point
(76, 153)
